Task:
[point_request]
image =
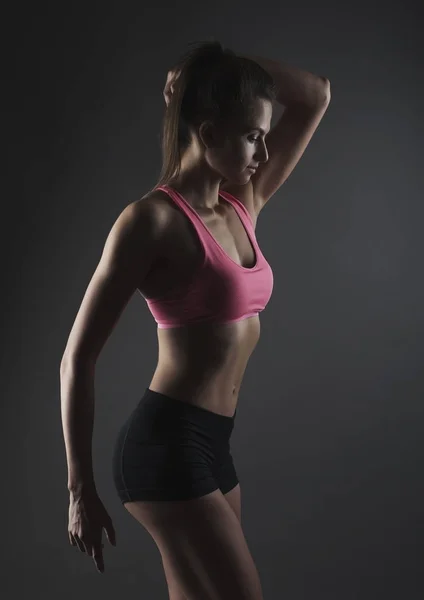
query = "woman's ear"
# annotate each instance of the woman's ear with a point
(208, 134)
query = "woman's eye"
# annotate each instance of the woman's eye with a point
(253, 139)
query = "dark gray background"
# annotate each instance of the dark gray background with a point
(328, 442)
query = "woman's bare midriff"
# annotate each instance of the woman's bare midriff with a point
(201, 364)
(204, 365)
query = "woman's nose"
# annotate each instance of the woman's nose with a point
(262, 156)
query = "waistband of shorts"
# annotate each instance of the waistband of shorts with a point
(202, 415)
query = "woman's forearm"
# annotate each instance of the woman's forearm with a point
(295, 86)
(77, 411)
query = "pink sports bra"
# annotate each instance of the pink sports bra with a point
(221, 291)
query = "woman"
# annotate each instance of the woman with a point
(189, 247)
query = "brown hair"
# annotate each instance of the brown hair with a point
(214, 84)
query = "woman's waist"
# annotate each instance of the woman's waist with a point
(216, 392)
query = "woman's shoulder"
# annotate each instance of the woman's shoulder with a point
(157, 205)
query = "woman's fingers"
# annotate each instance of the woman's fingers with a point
(97, 555)
(171, 78)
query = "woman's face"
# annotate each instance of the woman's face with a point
(244, 146)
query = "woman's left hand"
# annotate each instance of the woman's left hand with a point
(168, 90)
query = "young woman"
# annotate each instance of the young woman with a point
(189, 247)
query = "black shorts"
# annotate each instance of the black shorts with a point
(172, 450)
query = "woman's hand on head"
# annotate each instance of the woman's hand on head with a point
(171, 78)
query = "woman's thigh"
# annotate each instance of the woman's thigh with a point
(203, 546)
(233, 498)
